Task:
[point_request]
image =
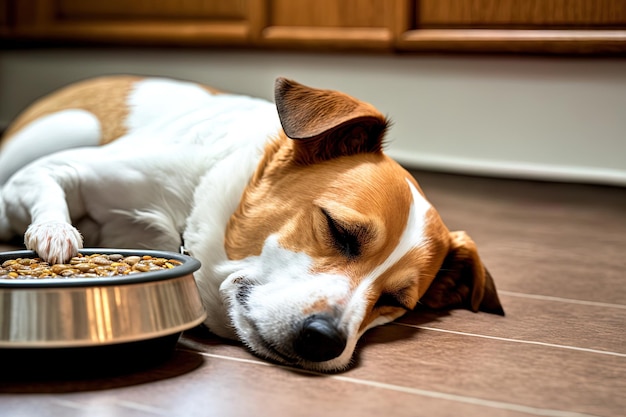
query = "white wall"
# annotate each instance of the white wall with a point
(526, 117)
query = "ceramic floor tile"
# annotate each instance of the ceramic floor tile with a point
(557, 322)
(531, 375)
(233, 388)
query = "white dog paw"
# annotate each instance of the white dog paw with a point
(54, 242)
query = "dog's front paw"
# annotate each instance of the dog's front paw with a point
(54, 242)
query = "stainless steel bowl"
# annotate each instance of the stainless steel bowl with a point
(114, 316)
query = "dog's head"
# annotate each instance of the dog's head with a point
(332, 237)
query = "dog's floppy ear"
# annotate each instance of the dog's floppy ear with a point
(462, 280)
(327, 124)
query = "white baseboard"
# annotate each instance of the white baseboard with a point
(516, 170)
(500, 169)
(516, 117)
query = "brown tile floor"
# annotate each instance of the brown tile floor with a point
(557, 254)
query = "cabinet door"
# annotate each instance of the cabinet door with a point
(526, 26)
(159, 22)
(544, 26)
(328, 24)
(4, 17)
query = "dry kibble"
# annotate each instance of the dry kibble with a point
(58, 268)
(141, 267)
(132, 260)
(84, 266)
(101, 260)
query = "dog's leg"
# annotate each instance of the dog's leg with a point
(52, 133)
(34, 202)
(35, 192)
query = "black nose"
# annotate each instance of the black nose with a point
(319, 339)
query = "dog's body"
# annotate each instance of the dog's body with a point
(307, 233)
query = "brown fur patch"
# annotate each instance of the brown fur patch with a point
(463, 281)
(284, 197)
(320, 305)
(104, 97)
(211, 90)
(368, 190)
(409, 279)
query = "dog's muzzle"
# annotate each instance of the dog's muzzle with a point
(295, 321)
(319, 339)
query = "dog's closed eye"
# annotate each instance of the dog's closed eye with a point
(347, 239)
(395, 299)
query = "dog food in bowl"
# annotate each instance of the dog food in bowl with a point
(85, 266)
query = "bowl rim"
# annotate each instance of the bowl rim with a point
(189, 265)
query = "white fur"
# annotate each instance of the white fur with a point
(48, 134)
(412, 237)
(155, 102)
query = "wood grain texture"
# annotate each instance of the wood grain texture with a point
(330, 13)
(611, 42)
(328, 24)
(516, 13)
(326, 38)
(150, 9)
(585, 27)
(152, 33)
(512, 26)
(4, 15)
(144, 22)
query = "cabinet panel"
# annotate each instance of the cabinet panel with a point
(518, 26)
(346, 24)
(158, 22)
(330, 13)
(527, 13)
(150, 9)
(4, 17)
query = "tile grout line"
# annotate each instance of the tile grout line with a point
(506, 339)
(468, 400)
(547, 412)
(560, 299)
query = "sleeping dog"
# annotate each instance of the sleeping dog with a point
(308, 234)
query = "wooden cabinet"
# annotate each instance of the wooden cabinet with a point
(157, 22)
(544, 26)
(347, 24)
(526, 26)
(4, 18)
